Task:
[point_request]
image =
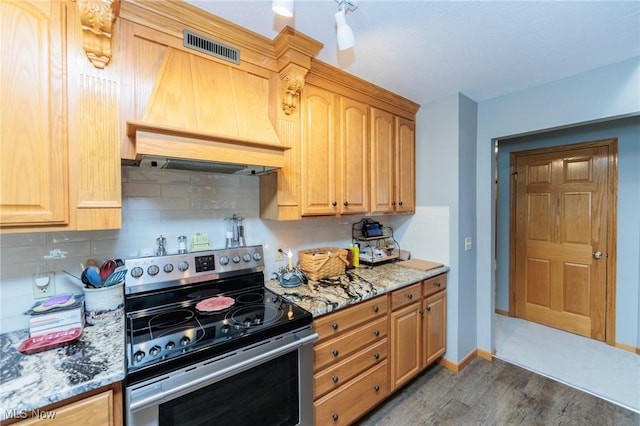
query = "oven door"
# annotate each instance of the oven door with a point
(268, 383)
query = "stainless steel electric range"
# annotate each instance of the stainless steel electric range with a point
(201, 327)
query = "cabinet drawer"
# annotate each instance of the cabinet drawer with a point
(337, 375)
(334, 323)
(406, 295)
(354, 399)
(338, 349)
(434, 284)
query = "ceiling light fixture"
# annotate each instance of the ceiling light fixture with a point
(344, 34)
(283, 7)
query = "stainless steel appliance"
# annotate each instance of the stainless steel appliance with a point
(193, 359)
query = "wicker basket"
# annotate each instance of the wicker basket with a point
(323, 262)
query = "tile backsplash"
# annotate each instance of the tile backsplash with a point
(154, 203)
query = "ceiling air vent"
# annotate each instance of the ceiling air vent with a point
(210, 47)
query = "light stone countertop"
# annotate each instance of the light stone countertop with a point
(356, 285)
(33, 381)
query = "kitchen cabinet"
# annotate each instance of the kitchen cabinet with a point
(60, 161)
(350, 358)
(33, 138)
(334, 154)
(102, 407)
(418, 328)
(392, 163)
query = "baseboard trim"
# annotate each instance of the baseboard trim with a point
(502, 312)
(629, 348)
(486, 354)
(456, 367)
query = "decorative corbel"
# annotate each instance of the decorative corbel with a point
(292, 78)
(97, 18)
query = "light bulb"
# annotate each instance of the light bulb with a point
(283, 7)
(344, 34)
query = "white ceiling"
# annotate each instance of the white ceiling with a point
(426, 50)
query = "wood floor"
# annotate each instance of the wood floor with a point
(494, 393)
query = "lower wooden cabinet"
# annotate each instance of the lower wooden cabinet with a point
(355, 398)
(368, 350)
(102, 407)
(418, 328)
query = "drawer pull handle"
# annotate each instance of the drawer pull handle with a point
(376, 309)
(409, 296)
(335, 379)
(335, 352)
(376, 388)
(334, 325)
(376, 355)
(376, 332)
(334, 416)
(438, 284)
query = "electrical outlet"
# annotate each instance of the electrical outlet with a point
(44, 285)
(279, 255)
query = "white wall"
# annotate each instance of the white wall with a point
(600, 94)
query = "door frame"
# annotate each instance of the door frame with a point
(612, 228)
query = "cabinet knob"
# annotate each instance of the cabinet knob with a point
(428, 308)
(376, 355)
(409, 296)
(346, 203)
(334, 416)
(393, 203)
(335, 352)
(376, 309)
(334, 325)
(376, 332)
(400, 203)
(421, 312)
(335, 203)
(438, 284)
(335, 379)
(376, 388)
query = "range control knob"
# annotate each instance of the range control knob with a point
(136, 272)
(170, 345)
(224, 260)
(183, 266)
(168, 268)
(235, 259)
(257, 256)
(138, 356)
(153, 270)
(184, 341)
(246, 257)
(154, 351)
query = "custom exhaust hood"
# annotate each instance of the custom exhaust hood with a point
(203, 115)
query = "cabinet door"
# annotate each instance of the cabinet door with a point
(318, 171)
(353, 156)
(382, 161)
(33, 122)
(405, 166)
(434, 329)
(406, 344)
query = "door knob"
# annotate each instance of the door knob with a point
(597, 255)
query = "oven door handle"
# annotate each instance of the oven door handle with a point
(170, 391)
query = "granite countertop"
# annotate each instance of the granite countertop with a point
(33, 381)
(330, 294)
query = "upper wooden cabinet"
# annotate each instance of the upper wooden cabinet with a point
(333, 154)
(33, 139)
(60, 160)
(392, 163)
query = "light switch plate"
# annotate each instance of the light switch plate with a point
(468, 244)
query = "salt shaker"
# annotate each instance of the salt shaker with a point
(182, 244)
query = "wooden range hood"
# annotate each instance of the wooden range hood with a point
(206, 111)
